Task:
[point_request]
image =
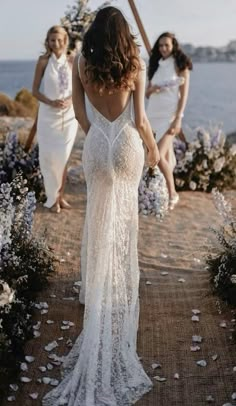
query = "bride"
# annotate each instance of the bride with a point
(103, 368)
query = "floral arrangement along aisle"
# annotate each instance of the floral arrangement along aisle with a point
(206, 162)
(25, 264)
(221, 261)
(13, 159)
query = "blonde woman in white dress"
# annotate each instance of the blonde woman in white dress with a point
(56, 124)
(103, 368)
(167, 94)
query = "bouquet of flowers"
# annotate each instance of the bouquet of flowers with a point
(25, 264)
(153, 195)
(13, 159)
(206, 162)
(167, 84)
(221, 262)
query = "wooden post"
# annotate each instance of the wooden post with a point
(140, 26)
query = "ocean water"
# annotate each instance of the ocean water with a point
(212, 95)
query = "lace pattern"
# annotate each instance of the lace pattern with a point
(103, 368)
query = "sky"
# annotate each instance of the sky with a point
(24, 23)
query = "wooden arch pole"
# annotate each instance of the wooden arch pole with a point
(140, 26)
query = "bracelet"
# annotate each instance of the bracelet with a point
(181, 115)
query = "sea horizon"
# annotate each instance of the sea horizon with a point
(211, 99)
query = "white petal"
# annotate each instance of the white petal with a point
(181, 280)
(223, 324)
(195, 318)
(43, 369)
(37, 325)
(11, 398)
(196, 311)
(14, 387)
(50, 322)
(195, 348)
(164, 273)
(159, 378)
(148, 283)
(51, 346)
(29, 358)
(25, 379)
(202, 363)
(44, 311)
(46, 380)
(49, 366)
(214, 357)
(154, 366)
(164, 255)
(176, 376)
(196, 339)
(34, 395)
(54, 382)
(24, 366)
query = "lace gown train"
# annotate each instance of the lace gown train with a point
(103, 368)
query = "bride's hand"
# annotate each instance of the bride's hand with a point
(175, 127)
(153, 156)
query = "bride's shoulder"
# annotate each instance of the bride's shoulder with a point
(142, 64)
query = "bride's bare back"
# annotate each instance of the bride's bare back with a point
(110, 104)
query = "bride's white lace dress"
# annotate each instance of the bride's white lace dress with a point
(103, 368)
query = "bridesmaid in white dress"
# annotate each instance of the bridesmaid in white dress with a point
(56, 125)
(103, 368)
(168, 75)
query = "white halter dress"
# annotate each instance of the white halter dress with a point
(56, 128)
(162, 106)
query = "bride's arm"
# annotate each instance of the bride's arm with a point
(141, 121)
(78, 98)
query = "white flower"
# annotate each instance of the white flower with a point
(192, 185)
(7, 294)
(1, 323)
(189, 156)
(233, 278)
(222, 140)
(204, 164)
(218, 164)
(233, 150)
(206, 139)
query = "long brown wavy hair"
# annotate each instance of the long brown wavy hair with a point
(111, 52)
(182, 61)
(55, 29)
